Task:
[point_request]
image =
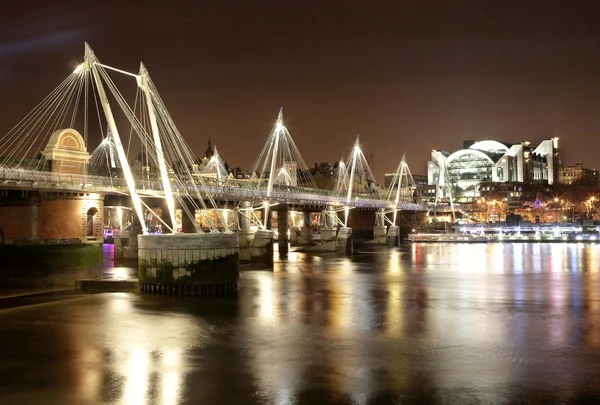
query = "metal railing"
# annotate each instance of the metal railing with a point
(240, 190)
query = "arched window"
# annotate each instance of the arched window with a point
(90, 221)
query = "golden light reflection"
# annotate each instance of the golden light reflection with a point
(264, 301)
(171, 382)
(131, 355)
(394, 323)
(136, 373)
(393, 264)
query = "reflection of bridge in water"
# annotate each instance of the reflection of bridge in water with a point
(52, 191)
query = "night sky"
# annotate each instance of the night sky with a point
(407, 77)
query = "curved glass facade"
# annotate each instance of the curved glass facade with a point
(468, 170)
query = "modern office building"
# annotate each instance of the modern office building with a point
(462, 173)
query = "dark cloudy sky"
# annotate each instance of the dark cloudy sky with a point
(408, 76)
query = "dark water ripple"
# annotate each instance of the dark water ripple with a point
(454, 324)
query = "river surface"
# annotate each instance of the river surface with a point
(497, 323)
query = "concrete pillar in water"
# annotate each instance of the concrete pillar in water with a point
(207, 262)
(379, 230)
(261, 250)
(131, 251)
(294, 231)
(282, 229)
(329, 231)
(246, 234)
(118, 242)
(393, 236)
(306, 230)
(344, 241)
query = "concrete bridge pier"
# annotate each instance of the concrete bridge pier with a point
(126, 243)
(282, 229)
(306, 235)
(246, 235)
(329, 231)
(344, 241)
(393, 236)
(261, 250)
(379, 230)
(189, 264)
(294, 231)
(254, 247)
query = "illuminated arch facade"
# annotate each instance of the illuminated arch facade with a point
(487, 161)
(66, 152)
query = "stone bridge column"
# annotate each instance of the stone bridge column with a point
(329, 230)
(282, 229)
(344, 241)
(246, 234)
(379, 230)
(393, 236)
(306, 230)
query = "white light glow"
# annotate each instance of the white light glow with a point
(79, 68)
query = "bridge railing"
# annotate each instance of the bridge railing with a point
(229, 190)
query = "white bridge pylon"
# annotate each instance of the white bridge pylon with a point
(279, 165)
(401, 189)
(354, 177)
(30, 145)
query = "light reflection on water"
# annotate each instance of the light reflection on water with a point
(429, 323)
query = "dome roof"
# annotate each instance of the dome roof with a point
(490, 146)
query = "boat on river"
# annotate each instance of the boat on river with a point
(448, 238)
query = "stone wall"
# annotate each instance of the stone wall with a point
(55, 217)
(188, 259)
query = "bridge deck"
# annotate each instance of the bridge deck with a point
(232, 190)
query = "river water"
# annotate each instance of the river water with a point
(496, 323)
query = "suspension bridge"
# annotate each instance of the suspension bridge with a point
(106, 132)
(48, 150)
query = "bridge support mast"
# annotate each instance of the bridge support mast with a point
(351, 182)
(272, 174)
(91, 61)
(144, 85)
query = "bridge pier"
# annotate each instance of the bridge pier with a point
(262, 247)
(204, 261)
(379, 230)
(344, 241)
(246, 236)
(294, 231)
(393, 236)
(254, 247)
(282, 229)
(306, 235)
(329, 231)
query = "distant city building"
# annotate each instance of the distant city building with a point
(423, 190)
(325, 174)
(577, 173)
(462, 173)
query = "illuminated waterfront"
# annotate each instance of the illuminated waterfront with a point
(425, 323)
